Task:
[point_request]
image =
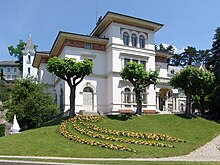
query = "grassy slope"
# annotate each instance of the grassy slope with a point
(46, 141)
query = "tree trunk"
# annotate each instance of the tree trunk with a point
(202, 107)
(188, 105)
(72, 101)
(139, 102)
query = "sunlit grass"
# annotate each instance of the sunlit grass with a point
(46, 141)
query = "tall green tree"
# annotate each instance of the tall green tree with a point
(190, 57)
(194, 82)
(72, 72)
(215, 60)
(140, 79)
(17, 52)
(32, 103)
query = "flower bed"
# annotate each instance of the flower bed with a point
(141, 135)
(62, 130)
(150, 139)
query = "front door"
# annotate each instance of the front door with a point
(88, 99)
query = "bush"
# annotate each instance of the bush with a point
(2, 130)
(32, 103)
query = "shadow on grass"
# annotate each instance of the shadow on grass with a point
(124, 117)
(186, 117)
(54, 122)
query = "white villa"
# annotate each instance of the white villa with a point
(116, 40)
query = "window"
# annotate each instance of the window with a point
(127, 95)
(136, 61)
(134, 96)
(87, 46)
(15, 70)
(126, 60)
(125, 38)
(134, 40)
(29, 59)
(14, 77)
(29, 71)
(143, 63)
(8, 77)
(142, 41)
(8, 70)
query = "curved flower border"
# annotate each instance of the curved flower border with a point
(62, 130)
(141, 135)
(83, 119)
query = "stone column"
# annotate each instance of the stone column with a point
(174, 103)
(158, 101)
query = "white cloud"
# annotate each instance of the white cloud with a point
(176, 50)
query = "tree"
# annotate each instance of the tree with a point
(190, 57)
(4, 95)
(17, 52)
(193, 81)
(72, 72)
(32, 103)
(140, 79)
(215, 59)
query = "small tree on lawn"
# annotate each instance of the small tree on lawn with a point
(194, 82)
(140, 79)
(72, 72)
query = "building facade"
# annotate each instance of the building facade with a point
(10, 71)
(116, 40)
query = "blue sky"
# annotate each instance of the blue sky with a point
(186, 22)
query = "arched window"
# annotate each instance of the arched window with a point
(125, 38)
(127, 95)
(134, 40)
(88, 89)
(142, 41)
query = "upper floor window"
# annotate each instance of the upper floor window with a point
(126, 38)
(142, 41)
(8, 70)
(29, 59)
(134, 40)
(15, 70)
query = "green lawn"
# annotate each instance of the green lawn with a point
(45, 141)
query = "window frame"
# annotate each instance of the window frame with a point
(126, 38)
(134, 40)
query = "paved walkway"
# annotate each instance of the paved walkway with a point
(208, 152)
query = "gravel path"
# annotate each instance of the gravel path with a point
(208, 152)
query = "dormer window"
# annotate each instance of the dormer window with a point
(142, 41)
(126, 38)
(134, 40)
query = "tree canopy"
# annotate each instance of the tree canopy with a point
(72, 71)
(140, 79)
(32, 103)
(193, 81)
(17, 52)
